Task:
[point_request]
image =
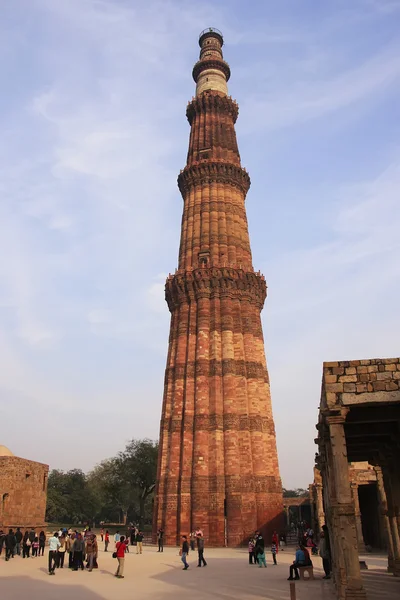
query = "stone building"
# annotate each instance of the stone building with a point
(23, 491)
(218, 465)
(298, 509)
(369, 519)
(359, 421)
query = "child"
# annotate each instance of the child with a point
(273, 552)
(261, 557)
(35, 546)
(251, 552)
(106, 540)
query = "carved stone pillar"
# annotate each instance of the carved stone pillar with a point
(312, 509)
(287, 513)
(383, 508)
(356, 500)
(390, 487)
(320, 506)
(344, 534)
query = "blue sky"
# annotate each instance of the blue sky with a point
(93, 137)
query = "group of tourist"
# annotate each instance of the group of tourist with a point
(83, 547)
(133, 535)
(16, 543)
(256, 548)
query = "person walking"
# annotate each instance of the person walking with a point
(274, 549)
(117, 537)
(275, 540)
(139, 542)
(132, 536)
(200, 550)
(69, 542)
(192, 538)
(102, 534)
(35, 547)
(259, 543)
(54, 544)
(261, 559)
(106, 540)
(184, 552)
(160, 537)
(78, 549)
(31, 536)
(2, 540)
(91, 551)
(251, 551)
(26, 545)
(61, 552)
(10, 544)
(18, 537)
(42, 542)
(325, 555)
(120, 550)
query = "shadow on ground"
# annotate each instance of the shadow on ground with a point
(381, 585)
(15, 588)
(221, 581)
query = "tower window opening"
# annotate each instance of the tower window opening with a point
(204, 259)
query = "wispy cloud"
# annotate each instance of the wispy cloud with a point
(93, 137)
(302, 94)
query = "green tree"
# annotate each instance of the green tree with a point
(112, 488)
(296, 493)
(70, 498)
(138, 463)
(117, 487)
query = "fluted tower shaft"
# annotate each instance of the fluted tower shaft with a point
(218, 466)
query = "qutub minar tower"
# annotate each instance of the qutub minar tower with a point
(218, 465)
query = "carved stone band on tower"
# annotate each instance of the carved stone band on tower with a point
(218, 465)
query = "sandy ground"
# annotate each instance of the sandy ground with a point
(228, 576)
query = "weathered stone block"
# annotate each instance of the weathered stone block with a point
(349, 387)
(338, 370)
(384, 376)
(348, 379)
(334, 387)
(351, 371)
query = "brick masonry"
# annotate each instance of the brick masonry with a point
(218, 465)
(23, 492)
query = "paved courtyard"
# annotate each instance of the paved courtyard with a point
(228, 576)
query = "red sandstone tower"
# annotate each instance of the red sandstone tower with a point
(218, 465)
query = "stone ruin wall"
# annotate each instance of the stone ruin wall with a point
(356, 379)
(23, 492)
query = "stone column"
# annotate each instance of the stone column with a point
(388, 477)
(320, 507)
(312, 507)
(383, 508)
(344, 534)
(356, 500)
(287, 512)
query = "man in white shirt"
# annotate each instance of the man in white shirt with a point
(54, 544)
(117, 537)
